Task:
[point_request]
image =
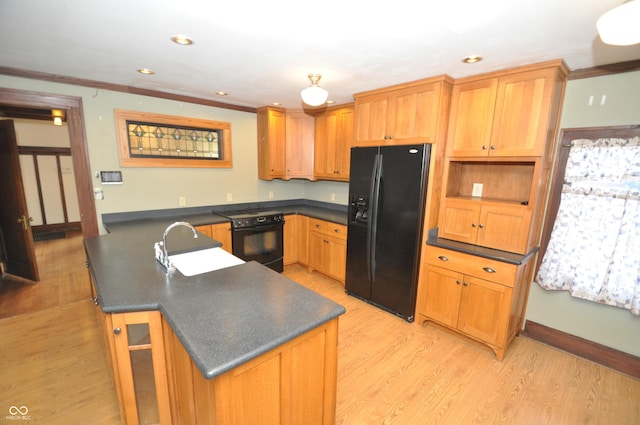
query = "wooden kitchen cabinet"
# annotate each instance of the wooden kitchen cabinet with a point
(285, 144)
(505, 114)
(271, 143)
(334, 137)
(299, 145)
(220, 232)
(296, 236)
(136, 339)
(492, 225)
(294, 383)
(403, 114)
(328, 248)
(480, 298)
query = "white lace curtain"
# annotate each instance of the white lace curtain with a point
(594, 250)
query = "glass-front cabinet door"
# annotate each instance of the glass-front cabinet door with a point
(141, 367)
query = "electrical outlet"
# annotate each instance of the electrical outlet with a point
(477, 189)
(229, 197)
(333, 196)
(271, 194)
(182, 201)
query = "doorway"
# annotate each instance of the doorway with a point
(78, 144)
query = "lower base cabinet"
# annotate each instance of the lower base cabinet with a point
(294, 383)
(479, 298)
(221, 232)
(328, 248)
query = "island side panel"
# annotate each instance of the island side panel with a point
(293, 383)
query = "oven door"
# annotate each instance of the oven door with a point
(260, 243)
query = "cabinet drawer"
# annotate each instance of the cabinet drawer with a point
(328, 228)
(483, 268)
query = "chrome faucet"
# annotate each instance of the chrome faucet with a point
(161, 247)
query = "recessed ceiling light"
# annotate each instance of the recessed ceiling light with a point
(276, 103)
(182, 40)
(331, 101)
(145, 71)
(472, 59)
(221, 93)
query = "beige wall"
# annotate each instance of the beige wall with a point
(606, 325)
(161, 188)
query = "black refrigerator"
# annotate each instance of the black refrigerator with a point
(387, 192)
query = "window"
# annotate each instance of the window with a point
(153, 140)
(593, 250)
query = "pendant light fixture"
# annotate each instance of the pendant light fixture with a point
(314, 95)
(621, 26)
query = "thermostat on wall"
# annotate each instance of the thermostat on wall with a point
(111, 177)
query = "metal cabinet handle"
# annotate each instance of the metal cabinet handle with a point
(473, 224)
(117, 331)
(488, 270)
(318, 226)
(336, 230)
(95, 301)
(484, 147)
(443, 258)
(481, 226)
(465, 283)
(458, 282)
(493, 148)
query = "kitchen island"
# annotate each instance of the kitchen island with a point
(238, 345)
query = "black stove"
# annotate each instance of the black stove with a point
(258, 236)
(244, 219)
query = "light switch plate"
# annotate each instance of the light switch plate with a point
(477, 190)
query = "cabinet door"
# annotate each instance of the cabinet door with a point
(484, 310)
(299, 145)
(371, 119)
(204, 229)
(459, 220)
(441, 295)
(302, 241)
(415, 115)
(504, 227)
(142, 371)
(336, 258)
(271, 143)
(222, 233)
(317, 250)
(344, 142)
(471, 118)
(290, 232)
(522, 112)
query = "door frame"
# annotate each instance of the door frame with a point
(78, 141)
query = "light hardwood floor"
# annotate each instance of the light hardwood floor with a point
(389, 371)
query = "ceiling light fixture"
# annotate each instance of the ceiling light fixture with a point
(619, 26)
(145, 71)
(472, 59)
(182, 40)
(314, 95)
(221, 93)
(57, 121)
(58, 116)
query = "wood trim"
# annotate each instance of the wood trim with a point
(119, 88)
(78, 140)
(57, 227)
(43, 150)
(613, 68)
(598, 353)
(121, 118)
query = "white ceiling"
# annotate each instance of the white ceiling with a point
(261, 51)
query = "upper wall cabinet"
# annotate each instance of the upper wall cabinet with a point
(505, 114)
(402, 114)
(334, 136)
(285, 144)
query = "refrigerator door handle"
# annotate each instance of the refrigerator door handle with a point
(372, 225)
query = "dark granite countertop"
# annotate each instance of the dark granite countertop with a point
(223, 318)
(211, 214)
